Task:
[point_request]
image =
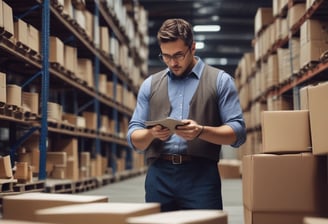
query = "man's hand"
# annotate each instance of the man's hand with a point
(160, 132)
(190, 130)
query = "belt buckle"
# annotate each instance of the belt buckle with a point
(176, 159)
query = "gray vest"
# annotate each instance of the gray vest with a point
(203, 109)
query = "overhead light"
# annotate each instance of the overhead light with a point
(200, 45)
(216, 61)
(207, 28)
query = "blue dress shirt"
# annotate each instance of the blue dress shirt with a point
(181, 90)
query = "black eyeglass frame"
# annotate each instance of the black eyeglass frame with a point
(176, 57)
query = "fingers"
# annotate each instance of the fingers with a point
(160, 132)
(190, 131)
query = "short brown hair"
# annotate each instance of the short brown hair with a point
(174, 29)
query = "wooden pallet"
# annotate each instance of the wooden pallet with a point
(59, 186)
(35, 186)
(7, 185)
(14, 112)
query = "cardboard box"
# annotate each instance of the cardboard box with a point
(33, 38)
(318, 107)
(12, 221)
(67, 145)
(89, 23)
(3, 91)
(70, 58)
(91, 120)
(104, 39)
(251, 217)
(14, 95)
(263, 18)
(81, 122)
(315, 220)
(5, 167)
(55, 111)
(85, 71)
(21, 172)
(100, 213)
(72, 170)
(70, 118)
(8, 20)
(58, 158)
(182, 217)
(283, 188)
(229, 168)
(295, 13)
(30, 102)
(313, 30)
(56, 51)
(102, 82)
(311, 52)
(304, 98)
(23, 206)
(286, 131)
(1, 15)
(20, 32)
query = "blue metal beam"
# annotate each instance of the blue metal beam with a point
(44, 88)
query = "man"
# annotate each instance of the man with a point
(183, 172)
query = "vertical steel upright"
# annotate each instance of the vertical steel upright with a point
(45, 87)
(96, 80)
(117, 126)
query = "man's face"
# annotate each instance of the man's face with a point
(178, 57)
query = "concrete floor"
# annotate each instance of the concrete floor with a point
(132, 190)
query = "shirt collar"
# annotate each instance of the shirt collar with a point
(195, 72)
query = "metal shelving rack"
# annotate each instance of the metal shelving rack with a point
(49, 73)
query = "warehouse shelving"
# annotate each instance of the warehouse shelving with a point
(57, 83)
(314, 68)
(281, 94)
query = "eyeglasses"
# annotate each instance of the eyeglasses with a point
(178, 57)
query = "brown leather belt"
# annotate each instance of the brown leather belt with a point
(176, 158)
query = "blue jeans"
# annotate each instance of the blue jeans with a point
(191, 185)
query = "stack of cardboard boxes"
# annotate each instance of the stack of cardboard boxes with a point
(284, 161)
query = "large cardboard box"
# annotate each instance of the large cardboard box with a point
(315, 220)
(182, 217)
(100, 213)
(283, 188)
(318, 107)
(23, 206)
(12, 221)
(286, 131)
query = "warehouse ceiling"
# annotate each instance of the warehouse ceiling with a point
(222, 49)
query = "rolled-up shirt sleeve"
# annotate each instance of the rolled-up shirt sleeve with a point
(229, 107)
(140, 113)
